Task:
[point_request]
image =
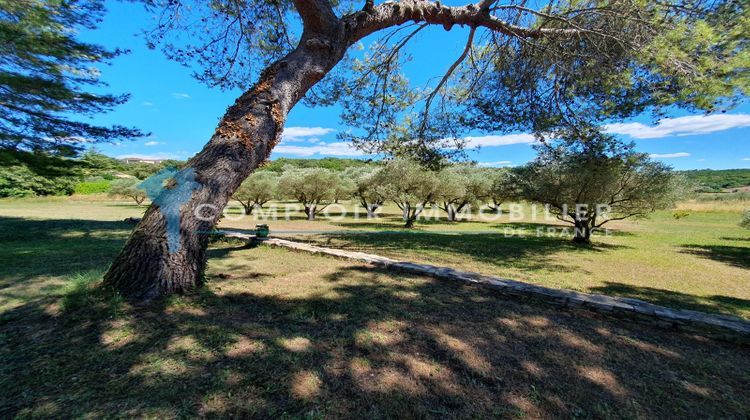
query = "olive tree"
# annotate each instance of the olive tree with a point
(524, 65)
(128, 188)
(367, 189)
(460, 186)
(344, 189)
(410, 186)
(257, 190)
(314, 188)
(594, 181)
(502, 188)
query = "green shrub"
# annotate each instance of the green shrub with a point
(32, 173)
(745, 223)
(93, 187)
(20, 181)
(680, 214)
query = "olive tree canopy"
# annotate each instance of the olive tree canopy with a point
(593, 181)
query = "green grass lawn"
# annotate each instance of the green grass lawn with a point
(699, 262)
(282, 334)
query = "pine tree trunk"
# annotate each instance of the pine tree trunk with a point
(158, 260)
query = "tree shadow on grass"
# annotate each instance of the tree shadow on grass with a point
(391, 221)
(370, 344)
(527, 252)
(716, 303)
(732, 255)
(560, 229)
(32, 250)
(734, 238)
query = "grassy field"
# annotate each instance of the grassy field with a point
(284, 334)
(701, 261)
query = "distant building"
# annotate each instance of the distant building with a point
(140, 160)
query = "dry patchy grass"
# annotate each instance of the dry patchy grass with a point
(282, 334)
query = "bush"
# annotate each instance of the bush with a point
(92, 187)
(680, 214)
(745, 223)
(19, 181)
(25, 173)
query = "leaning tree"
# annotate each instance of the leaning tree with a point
(527, 65)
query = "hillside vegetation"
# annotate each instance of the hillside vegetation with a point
(710, 180)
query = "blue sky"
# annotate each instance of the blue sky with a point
(181, 113)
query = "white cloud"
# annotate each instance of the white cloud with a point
(745, 158)
(305, 133)
(681, 126)
(152, 143)
(180, 95)
(329, 149)
(147, 103)
(495, 164)
(504, 140)
(177, 156)
(669, 155)
(700, 160)
(71, 139)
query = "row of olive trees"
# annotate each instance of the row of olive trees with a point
(407, 184)
(586, 183)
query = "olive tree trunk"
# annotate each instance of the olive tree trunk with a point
(310, 212)
(166, 252)
(451, 212)
(583, 229)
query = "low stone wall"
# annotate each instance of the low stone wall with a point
(620, 307)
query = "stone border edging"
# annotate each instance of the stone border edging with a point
(623, 307)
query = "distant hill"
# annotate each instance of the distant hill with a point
(334, 164)
(710, 180)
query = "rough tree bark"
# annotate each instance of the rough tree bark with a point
(150, 265)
